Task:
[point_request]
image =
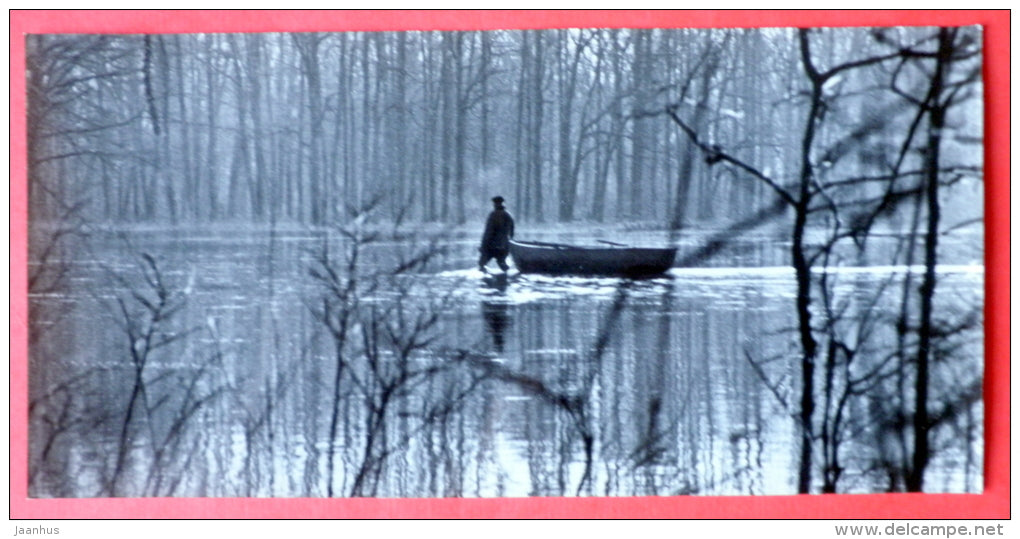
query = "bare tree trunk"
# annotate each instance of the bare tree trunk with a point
(802, 270)
(641, 137)
(937, 113)
(619, 130)
(535, 129)
(567, 71)
(459, 128)
(520, 167)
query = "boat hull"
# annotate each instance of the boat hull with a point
(557, 259)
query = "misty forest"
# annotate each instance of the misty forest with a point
(253, 263)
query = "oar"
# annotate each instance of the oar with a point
(547, 244)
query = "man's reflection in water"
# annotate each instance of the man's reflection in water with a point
(496, 311)
(497, 319)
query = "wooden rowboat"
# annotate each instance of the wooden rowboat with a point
(617, 260)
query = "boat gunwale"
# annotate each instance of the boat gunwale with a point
(566, 247)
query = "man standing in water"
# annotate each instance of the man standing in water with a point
(499, 228)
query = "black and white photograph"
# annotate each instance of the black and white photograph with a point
(569, 262)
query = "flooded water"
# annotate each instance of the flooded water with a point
(445, 382)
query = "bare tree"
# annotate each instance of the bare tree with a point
(807, 197)
(165, 391)
(384, 348)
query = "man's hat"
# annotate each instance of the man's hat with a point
(497, 199)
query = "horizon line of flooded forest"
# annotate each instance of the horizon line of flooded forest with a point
(377, 151)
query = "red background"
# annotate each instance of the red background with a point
(993, 503)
